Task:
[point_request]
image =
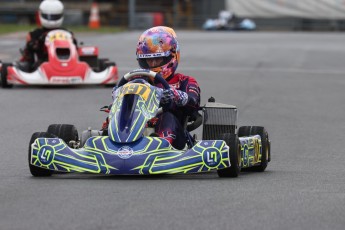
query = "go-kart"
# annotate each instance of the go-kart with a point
(229, 21)
(66, 65)
(128, 147)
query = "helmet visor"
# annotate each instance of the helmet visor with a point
(142, 59)
(52, 17)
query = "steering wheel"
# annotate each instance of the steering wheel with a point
(196, 120)
(144, 72)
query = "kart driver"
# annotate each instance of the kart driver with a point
(159, 51)
(51, 17)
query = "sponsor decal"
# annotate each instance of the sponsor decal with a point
(136, 88)
(163, 54)
(46, 155)
(65, 80)
(125, 152)
(88, 50)
(206, 143)
(245, 154)
(75, 80)
(60, 35)
(212, 157)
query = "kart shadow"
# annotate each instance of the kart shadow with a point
(195, 176)
(72, 176)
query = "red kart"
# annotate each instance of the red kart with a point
(66, 65)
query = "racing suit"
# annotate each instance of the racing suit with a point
(169, 124)
(35, 45)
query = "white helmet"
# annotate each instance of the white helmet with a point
(51, 13)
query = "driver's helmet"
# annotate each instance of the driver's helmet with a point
(51, 13)
(225, 15)
(161, 42)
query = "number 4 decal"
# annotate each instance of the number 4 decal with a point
(46, 153)
(211, 157)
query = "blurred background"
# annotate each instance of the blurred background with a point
(287, 15)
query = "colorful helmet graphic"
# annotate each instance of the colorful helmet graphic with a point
(159, 42)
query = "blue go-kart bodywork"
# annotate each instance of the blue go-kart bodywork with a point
(127, 151)
(149, 155)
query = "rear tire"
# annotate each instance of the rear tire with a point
(64, 131)
(265, 143)
(105, 63)
(38, 171)
(235, 156)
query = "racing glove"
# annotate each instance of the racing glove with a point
(152, 122)
(175, 96)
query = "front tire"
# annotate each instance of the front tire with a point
(265, 144)
(38, 171)
(3, 73)
(235, 156)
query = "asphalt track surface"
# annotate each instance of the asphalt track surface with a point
(291, 83)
